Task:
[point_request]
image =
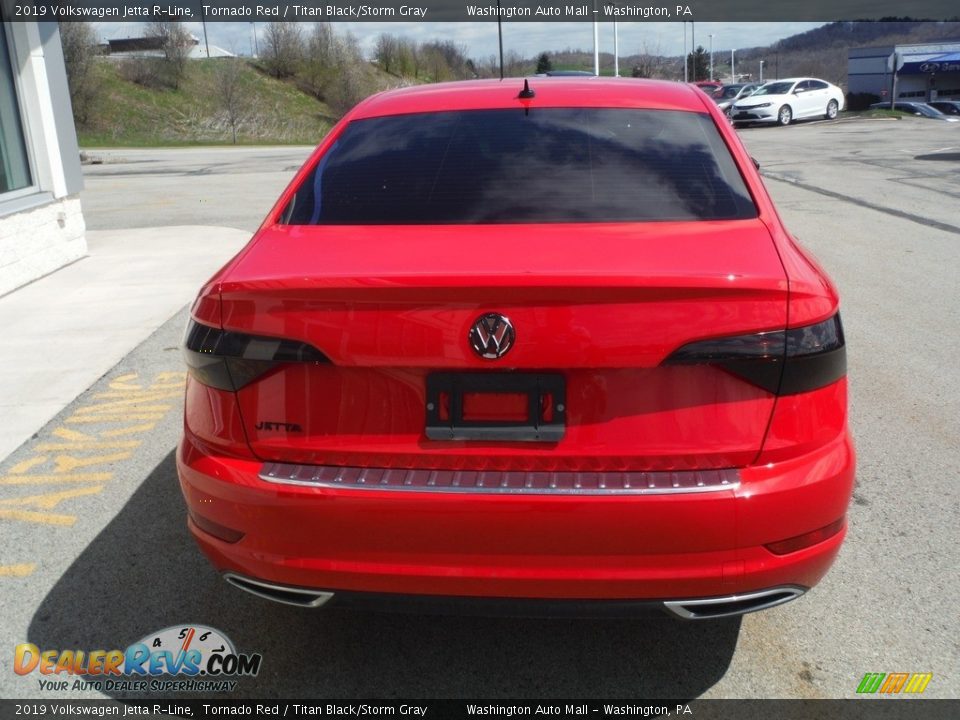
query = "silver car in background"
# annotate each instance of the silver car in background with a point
(727, 95)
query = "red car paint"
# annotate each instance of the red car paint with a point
(604, 304)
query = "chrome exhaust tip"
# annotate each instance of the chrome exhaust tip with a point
(300, 597)
(731, 605)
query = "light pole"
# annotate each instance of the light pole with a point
(733, 68)
(693, 48)
(203, 20)
(711, 56)
(761, 71)
(616, 50)
(500, 37)
(596, 42)
(685, 63)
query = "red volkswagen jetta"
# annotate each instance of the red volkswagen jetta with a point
(511, 343)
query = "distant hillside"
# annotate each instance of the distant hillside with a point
(860, 34)
(264, 110)
(821, 52)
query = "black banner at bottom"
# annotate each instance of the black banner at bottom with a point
(867, 709)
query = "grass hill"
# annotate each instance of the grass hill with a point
(265, 110)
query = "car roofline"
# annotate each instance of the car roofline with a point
(548, 92)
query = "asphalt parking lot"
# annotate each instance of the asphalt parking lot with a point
(103, 558)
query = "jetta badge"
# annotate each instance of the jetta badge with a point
(492, 336)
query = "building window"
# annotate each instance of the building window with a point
(14, 168)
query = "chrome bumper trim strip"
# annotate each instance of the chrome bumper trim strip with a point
(501, 482)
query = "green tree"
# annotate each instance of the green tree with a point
(698, 64)
(79, 42)
(543, 63)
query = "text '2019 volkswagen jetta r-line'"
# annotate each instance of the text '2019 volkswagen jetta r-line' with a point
(520, 344)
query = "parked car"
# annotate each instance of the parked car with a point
(919, 109)
(783, 101)
(521, 341)
(727, 95)
(709, 86)
(947, 107)
(567, 73)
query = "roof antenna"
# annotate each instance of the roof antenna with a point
(526, 93)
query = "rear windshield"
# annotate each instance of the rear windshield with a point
(544, 165)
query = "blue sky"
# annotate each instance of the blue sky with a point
(527, 38)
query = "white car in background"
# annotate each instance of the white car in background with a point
(783, 101)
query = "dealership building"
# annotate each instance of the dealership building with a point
(41, 224)
(928, 71)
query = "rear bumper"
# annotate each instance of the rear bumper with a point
(639, 549)
(690, 609)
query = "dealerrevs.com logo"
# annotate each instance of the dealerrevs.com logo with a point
(183, 658)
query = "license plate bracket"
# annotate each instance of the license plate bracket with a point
(448, 393)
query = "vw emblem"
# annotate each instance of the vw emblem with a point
(491, 336)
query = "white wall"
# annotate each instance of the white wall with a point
(41, 227)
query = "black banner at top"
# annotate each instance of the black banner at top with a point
(474, 10)
(207, 709)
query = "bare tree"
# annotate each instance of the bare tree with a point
(79, 43)
(282, 48)
(408, 59)
(176, 46)
(319, 61)
(489, 67)
(347, 88)
(514, 64)
(228, 88)
(649, 62)
(387, 52)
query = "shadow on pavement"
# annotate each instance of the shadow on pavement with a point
(143, 573)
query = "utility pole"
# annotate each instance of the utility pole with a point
(761, 71)
(500, 38)
(686, 65)
(733, 68)
(596, 42)
(203, 20)
(711, 57)
(616, 50)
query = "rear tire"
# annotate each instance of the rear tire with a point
(832, 109)
(784, 115)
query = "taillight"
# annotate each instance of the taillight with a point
(229, 360)
(783, 362)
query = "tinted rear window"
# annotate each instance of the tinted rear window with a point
(511, 166)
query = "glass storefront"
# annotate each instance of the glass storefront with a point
(14, 168)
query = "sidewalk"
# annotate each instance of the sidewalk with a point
(64, 331)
